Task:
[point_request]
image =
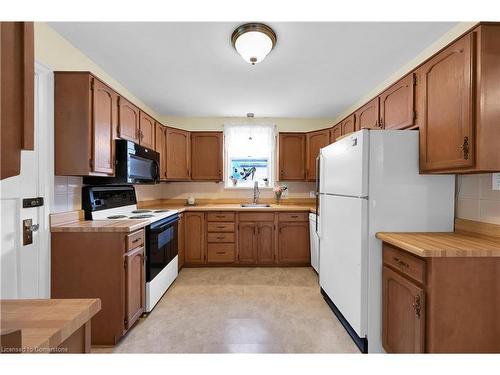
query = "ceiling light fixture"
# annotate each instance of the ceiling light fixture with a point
(253, 41)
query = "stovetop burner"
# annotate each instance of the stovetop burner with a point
(142, 211)
(158, 211)
(117, 217)
(146, 216)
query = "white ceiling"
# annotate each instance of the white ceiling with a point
(191, 69)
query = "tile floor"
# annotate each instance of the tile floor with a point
(239, 310)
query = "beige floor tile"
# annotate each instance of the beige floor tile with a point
(239, 310)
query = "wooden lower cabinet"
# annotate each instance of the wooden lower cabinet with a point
(439, 304)
(293, 243)
(195, 245)
(247, 243)
(265, 243)
(109, 266)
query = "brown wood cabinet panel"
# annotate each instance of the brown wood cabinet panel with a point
(181, 243)
(178, 154)
(220, 216)
(403, 321)
(134, 286)
(206, 156)
(265, 243)
(195, 252)
(16, 94)
(105, 113)
(220, 227)
(292, 156)
(146, 130)
(135, 240)
(247, 243)
(314, 142)
(128, 120)
(256, 216)
(349, 125)
(220, 237)
(293, 216)
(367, 117)
(446, 130)
(161, 148)
(221, 253)
(335, 132)
(293, 243)
(409, 265)
(397, 104)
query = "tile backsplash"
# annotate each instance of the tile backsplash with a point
(67, 193)
(476, 199)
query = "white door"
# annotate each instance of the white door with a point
(344, 166)
(344, 260)
(25, 269)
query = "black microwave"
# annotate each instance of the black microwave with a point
(135, 164)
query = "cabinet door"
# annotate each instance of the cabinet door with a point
(397, 105)
(161, 148)
(446, 140)
(134, 286)
(314, 141)
(348, 125)
(335, 132)
(247, 252)
(265, 243)
(181, 243)
(206, 156)
(195, 238)
(128, 120)
(367, 116)
(293, 243)
(105, 107)
(178, 154)
(292, 149)
(403, 314)
(147, 131)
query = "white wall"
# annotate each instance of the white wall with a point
(476, 198)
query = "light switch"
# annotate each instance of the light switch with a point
(495, 181)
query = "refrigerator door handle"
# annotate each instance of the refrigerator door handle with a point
(317, 191)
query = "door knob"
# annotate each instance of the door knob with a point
(28, 229)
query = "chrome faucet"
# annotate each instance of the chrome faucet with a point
(256, 192)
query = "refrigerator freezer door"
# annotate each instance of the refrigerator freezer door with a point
(343, 264)
(344, 166)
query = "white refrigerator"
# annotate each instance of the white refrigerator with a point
(370, 182)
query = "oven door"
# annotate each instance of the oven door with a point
(161, 246)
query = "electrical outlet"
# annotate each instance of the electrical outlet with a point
(495, 181)
(312, 194)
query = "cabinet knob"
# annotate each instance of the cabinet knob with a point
(465, 148)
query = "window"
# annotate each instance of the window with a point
(249, 155)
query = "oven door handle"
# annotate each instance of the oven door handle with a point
(162, 227)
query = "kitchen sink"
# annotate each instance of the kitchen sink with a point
(255, 205)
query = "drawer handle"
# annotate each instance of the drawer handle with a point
(220, 252)
(220, 216)
(295, 216)
(400, 262)
(417, 306)
(136, 240)
(220, 227)
(220, 237)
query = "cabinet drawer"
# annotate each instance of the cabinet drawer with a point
(220, 227)
(220, 237)
(256, 216)
(135, 239)
(293, 216)
(221, 253)
(220, 216)
(405, 263)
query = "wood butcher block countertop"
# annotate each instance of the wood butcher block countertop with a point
(470, 239)
(74, 222)
(46, 323)
(234, 207)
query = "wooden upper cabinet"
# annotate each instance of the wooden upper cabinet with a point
(265, 243)
(348, 125)
(446, 130)
(178, 154)
(161, 148)
(105, 111)
(146, 131)
(292, 156)
(314, 142)
(134, 286)
(293, 243)
(194, 245)
(335, 132)
(397, 104)
(403, 320)
(17, 79)
(367, 117)
(206, 156)
(128, 120)
(247, 243)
